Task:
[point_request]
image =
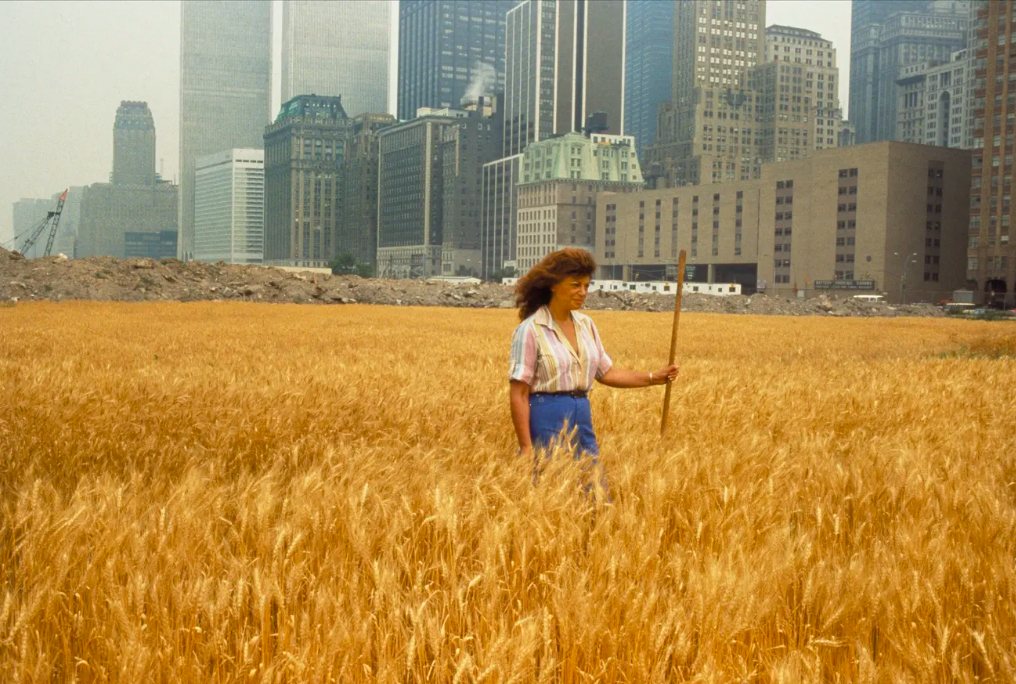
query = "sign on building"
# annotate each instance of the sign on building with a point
(844, 284)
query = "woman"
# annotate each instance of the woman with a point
(556, 354)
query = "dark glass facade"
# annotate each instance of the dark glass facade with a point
(450, 52)
(429, 192)
(358, 232)
(160, 245)
(649, 59)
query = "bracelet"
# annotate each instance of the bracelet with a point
(650, 377)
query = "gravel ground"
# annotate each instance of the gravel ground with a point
(58, 278)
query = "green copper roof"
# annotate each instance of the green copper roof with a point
(323, 106)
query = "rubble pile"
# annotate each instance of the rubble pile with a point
(58, 278)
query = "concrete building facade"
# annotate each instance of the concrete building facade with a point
(648, 61)
(427, 166)
(136, 214)
(337, 48)
(933, 105)
(499, 216)
(225, 88)
(451, 52)
(796, 95)
(358, 231)
(846, 220)
(134, 145)
(866, 18)
(715, 45)
(716, 224)
(465, 149)
(991, 251)
(558, 184)
(846, 134)
(898, 33)
(229, 207)
(564, 64)
(126, 221)
(304, 187)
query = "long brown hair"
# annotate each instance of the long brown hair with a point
(533, 289)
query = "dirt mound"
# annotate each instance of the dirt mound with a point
(58, 278)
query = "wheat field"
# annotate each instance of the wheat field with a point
(275, 493)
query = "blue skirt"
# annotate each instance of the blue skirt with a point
(550, 414)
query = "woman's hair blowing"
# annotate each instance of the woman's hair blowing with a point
(533, 289)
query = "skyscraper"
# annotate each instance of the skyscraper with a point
(706, 133)
(225, 87)
(796, 90)
(428, 191)
(887, 35)
(229, 207)
(135, 214)
(304, 209)
(564, 62)
(337, 49)
(934, 103)
(991, 253)
(649, 59)
(134, 145)
(451, 52)
(866, 16)
(358, 230)
(464, 152)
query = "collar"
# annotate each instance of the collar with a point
(543, 317)
(546, 319)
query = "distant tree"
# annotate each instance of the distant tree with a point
(508, 272)
(464, 271)
(365, 270)
(343, 264)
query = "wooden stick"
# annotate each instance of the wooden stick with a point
(673, 340)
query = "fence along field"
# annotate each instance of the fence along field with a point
(258, 493)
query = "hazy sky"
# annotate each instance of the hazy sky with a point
(67, 65)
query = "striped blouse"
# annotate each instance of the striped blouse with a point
(543, 358)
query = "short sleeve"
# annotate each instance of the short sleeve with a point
(605, 361)
(522, 363)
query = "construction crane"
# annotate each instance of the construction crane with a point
(35, 232)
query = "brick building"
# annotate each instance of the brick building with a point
(991, 260)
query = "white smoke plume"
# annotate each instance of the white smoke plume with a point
(481, 79)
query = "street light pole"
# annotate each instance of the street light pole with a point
(903, 279)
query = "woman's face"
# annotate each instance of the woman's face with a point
(571, 292)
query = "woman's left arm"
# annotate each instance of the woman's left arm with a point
(618, 377)
(610, 376)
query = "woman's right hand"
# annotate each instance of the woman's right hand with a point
(526, 452)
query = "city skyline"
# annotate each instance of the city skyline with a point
(142, 63)
(225, 90)
(337, 48)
